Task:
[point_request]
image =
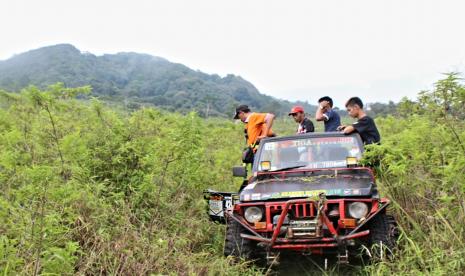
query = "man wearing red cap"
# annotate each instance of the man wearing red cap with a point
(305, 125)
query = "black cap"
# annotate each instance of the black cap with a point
(241, 108)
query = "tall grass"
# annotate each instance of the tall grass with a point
(422, 169)
(88, 189)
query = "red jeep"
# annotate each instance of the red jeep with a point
(307, 193)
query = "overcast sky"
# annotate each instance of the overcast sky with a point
(378, 50)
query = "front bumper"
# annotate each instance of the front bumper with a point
(314, 243)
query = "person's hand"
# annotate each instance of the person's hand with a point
(324, 104)
(341, 128)
(261, 137)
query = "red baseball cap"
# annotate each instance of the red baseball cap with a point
(296, 109)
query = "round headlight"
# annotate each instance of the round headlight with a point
(358, 210)
(253, 214)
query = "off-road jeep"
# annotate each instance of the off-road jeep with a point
(307, 193)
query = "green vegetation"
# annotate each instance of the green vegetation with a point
(135, 80)
(422, 169)
(90, 189)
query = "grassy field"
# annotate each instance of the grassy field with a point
(88, 189)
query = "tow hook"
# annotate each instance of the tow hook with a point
(343, 259)
(272, 258)
(342, 255)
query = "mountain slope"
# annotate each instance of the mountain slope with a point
(136, 79)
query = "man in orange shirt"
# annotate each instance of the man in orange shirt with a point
(258, 125)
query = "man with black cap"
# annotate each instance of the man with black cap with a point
(257, 125)
(305, 125)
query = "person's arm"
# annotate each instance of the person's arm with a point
(320, 112)
(360, 126)
(348, 129)
(269, 118)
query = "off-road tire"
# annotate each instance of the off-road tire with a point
(383, 236)
(235, 245)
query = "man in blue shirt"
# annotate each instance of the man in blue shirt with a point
(326, 113)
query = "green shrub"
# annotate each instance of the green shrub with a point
(422, 168)
(88, 189)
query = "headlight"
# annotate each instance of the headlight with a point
(253, 214)
(358, 210)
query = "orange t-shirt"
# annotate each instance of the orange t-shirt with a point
(255, 126)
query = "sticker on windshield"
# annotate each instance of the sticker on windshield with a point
(327, 164)
(270, 146)
(312, 193)
(323, 141)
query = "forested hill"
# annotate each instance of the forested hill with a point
(136, 79)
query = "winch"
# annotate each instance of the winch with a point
(302, 228)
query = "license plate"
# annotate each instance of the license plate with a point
(216, 207)
(227, 202)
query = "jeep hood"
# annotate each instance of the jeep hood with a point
(298, 187)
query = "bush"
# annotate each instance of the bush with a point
(422, 168)
(91, 190)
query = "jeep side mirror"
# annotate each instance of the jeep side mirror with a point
(240, 171)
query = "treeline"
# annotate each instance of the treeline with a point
(135, 80)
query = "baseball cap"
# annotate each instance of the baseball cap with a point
(296, 109)
(241, 108)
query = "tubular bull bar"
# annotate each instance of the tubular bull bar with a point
(336, 241)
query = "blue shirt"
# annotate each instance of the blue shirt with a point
(332, 120)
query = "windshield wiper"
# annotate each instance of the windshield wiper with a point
(289, 168)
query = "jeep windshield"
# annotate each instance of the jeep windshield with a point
(308, 152)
